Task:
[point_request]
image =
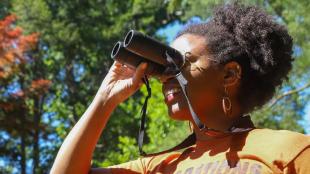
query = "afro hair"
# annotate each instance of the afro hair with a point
(251, 37)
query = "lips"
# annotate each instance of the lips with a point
(171, 89)
(171, 94)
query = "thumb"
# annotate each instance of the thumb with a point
(137, 79)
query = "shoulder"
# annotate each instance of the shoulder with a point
(154, 162)
(148, 163)
(300, 163)
(277, 146)
(283, 135)
(168, 157)
(283, 138)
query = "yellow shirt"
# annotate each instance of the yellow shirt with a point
(259, 151)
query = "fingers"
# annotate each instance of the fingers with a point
(137, 79)
(117, 63)
(123, 71)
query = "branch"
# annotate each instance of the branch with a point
(289, 93)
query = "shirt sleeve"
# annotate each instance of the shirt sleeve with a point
(143, 164)
(137, 166)
(301, 164)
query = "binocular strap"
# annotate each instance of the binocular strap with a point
(143, 116)
(242, 124)
(183, 82)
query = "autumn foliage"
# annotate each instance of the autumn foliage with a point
(15, 51)
(13, 45)
(23, 88)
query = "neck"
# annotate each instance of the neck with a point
(204, 135)
(219, 122)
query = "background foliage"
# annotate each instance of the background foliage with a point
(63, 71)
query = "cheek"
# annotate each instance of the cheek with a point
(202, 96)
(204, 91)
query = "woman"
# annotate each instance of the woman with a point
(234, 64)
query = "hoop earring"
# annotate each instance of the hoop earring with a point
(226, 103)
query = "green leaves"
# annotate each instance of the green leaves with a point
(76, 38)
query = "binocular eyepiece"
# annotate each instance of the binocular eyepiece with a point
(138, 47)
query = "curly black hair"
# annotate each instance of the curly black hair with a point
(251, 37)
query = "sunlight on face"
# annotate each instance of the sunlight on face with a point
(198, 74)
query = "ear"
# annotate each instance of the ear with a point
(232, 73)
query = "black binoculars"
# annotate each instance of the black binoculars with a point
(138, 47)
(162, 60)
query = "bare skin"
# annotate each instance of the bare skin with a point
(206, 86)
(206, 83)
(75, 155)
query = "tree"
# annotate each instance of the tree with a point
(76, 41)
(21, 94)
(4, 8)
(76, 38)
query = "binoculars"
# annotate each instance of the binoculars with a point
(138, 47)
(162, 60)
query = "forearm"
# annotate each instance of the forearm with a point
(75, 153)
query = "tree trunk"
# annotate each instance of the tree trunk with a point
(38, 106)
(36, 151)
(23, 153)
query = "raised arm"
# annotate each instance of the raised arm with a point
(76, 151)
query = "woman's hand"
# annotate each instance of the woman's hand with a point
(75, 155)
(121, 82)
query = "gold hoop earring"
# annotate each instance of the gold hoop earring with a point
(226, 103)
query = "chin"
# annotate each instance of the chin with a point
(177, 112)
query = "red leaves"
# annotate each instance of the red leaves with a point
(8, 20)
(37, 88)
(14, 33)
(40, 86)
(28, 42)
(13, 45)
